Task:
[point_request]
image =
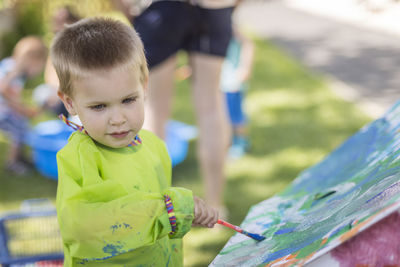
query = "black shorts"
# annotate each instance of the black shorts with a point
(168, 26)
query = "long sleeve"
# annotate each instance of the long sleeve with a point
(101, 217)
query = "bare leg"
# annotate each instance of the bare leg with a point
(212, 122)
(159, 95)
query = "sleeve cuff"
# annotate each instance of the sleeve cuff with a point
(183, 210)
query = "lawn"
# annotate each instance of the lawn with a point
(295, 120)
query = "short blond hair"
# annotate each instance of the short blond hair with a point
(30, 47)
(96, 44)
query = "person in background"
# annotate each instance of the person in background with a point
(115, 203)
(27, 61)
(236, 71)
(45, 95)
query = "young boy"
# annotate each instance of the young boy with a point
(114, 178)
(28, 60)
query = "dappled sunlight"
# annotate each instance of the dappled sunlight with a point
(3, 139)
(201, 244)
(255, 167)
(297, 157)
(262, 167)
(281, 97)
(263, 190)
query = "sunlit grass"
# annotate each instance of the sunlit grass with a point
(294, 119)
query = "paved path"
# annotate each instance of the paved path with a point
(362, 63)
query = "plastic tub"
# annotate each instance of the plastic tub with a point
(48, 137)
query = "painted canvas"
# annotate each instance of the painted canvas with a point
(355, 186)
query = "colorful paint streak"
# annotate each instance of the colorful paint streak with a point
(354, 187)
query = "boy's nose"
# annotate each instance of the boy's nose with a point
(117, 118)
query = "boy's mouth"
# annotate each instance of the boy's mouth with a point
(119, 134)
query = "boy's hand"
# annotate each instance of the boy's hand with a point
(204, 215)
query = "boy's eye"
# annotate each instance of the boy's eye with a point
(98, 107)
(129, 100)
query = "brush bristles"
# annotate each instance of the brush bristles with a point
(255, 236)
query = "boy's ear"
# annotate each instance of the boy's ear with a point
(68, 103)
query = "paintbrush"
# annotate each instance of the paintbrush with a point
(240, 230)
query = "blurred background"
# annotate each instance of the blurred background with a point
(321, 71)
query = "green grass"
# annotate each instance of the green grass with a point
(295, 120)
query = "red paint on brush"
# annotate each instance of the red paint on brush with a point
(234, 227)
(377, 246)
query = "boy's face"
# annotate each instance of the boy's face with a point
(110, 105)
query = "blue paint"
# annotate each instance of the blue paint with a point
(352, 154)
(83, 261)
(348, 225)
(284, 231)
(114, 250)
(127, 226)
(375, 175)
(114, 228)
(256, 237)
(117, 226)
(288, 251)
(265, 225)
(169, 258)
(383, 193)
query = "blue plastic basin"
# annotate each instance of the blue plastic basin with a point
(48, 137)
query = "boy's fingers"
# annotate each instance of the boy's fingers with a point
(211, 217)
(214, 217)
(203, 215)
(207, 219)
(199, 216)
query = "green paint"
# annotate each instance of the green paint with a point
(235, 247)
(353, 183)
(309, 249)
(307, 204)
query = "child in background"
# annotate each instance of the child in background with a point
(115, 203)
(28, 60)
(235, 73)
(45, 95)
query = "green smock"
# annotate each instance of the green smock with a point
(110, 204)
